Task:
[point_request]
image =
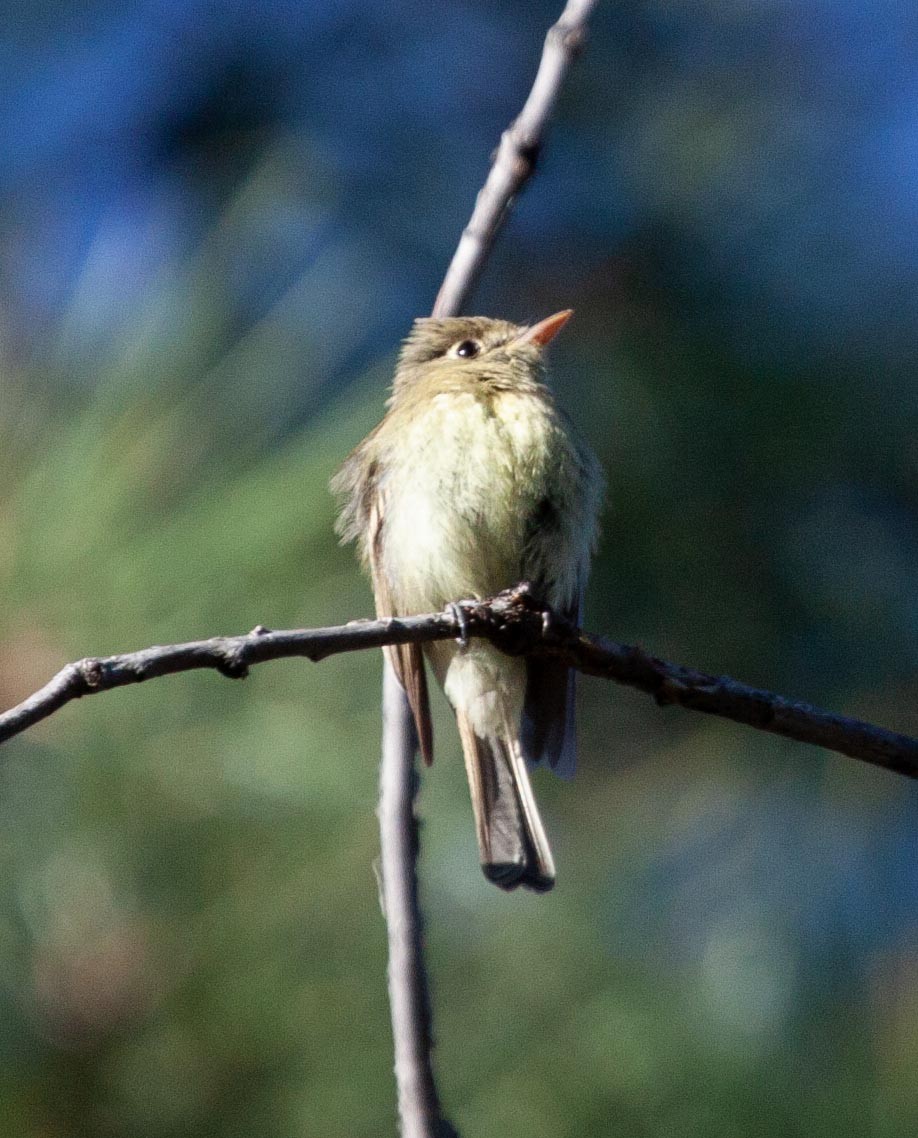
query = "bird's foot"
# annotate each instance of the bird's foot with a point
(460, 616)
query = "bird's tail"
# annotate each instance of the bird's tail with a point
(511, 839)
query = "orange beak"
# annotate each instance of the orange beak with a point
(546, 330)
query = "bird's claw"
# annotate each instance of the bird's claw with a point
(459, 615)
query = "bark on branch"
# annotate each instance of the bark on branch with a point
(517, 624)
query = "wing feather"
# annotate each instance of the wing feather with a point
(407, 660)
(548, 727)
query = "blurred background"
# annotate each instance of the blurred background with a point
(217, 223)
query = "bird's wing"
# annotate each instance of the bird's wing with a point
(406, 659)
(548, 727)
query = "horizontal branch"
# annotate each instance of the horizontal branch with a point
(516, 624)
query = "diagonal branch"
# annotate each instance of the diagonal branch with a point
(516, 624)
(515, 159)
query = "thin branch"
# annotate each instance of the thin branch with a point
(515, 159)
(516, 624)
(409, 998)
(230, 655)
(419, 1110)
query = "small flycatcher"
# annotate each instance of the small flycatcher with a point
(473, 482)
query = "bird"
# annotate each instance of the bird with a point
(474, 481)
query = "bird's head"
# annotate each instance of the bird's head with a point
(475, 349)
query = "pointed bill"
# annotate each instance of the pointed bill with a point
(546, 330)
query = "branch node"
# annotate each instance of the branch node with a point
(231, 661)
(91, 672)
(571, 38)
(526, 149)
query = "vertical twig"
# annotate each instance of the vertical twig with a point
(409, 997)
(515, 160)
(409, 1000)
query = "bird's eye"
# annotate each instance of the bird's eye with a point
(467, 349)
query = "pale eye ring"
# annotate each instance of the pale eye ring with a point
(467, 349)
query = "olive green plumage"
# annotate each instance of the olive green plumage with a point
(475, 481)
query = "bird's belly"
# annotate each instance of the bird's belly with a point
(467, 483)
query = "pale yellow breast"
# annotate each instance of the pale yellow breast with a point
(460, 491)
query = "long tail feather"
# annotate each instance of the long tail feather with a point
(511, 839)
